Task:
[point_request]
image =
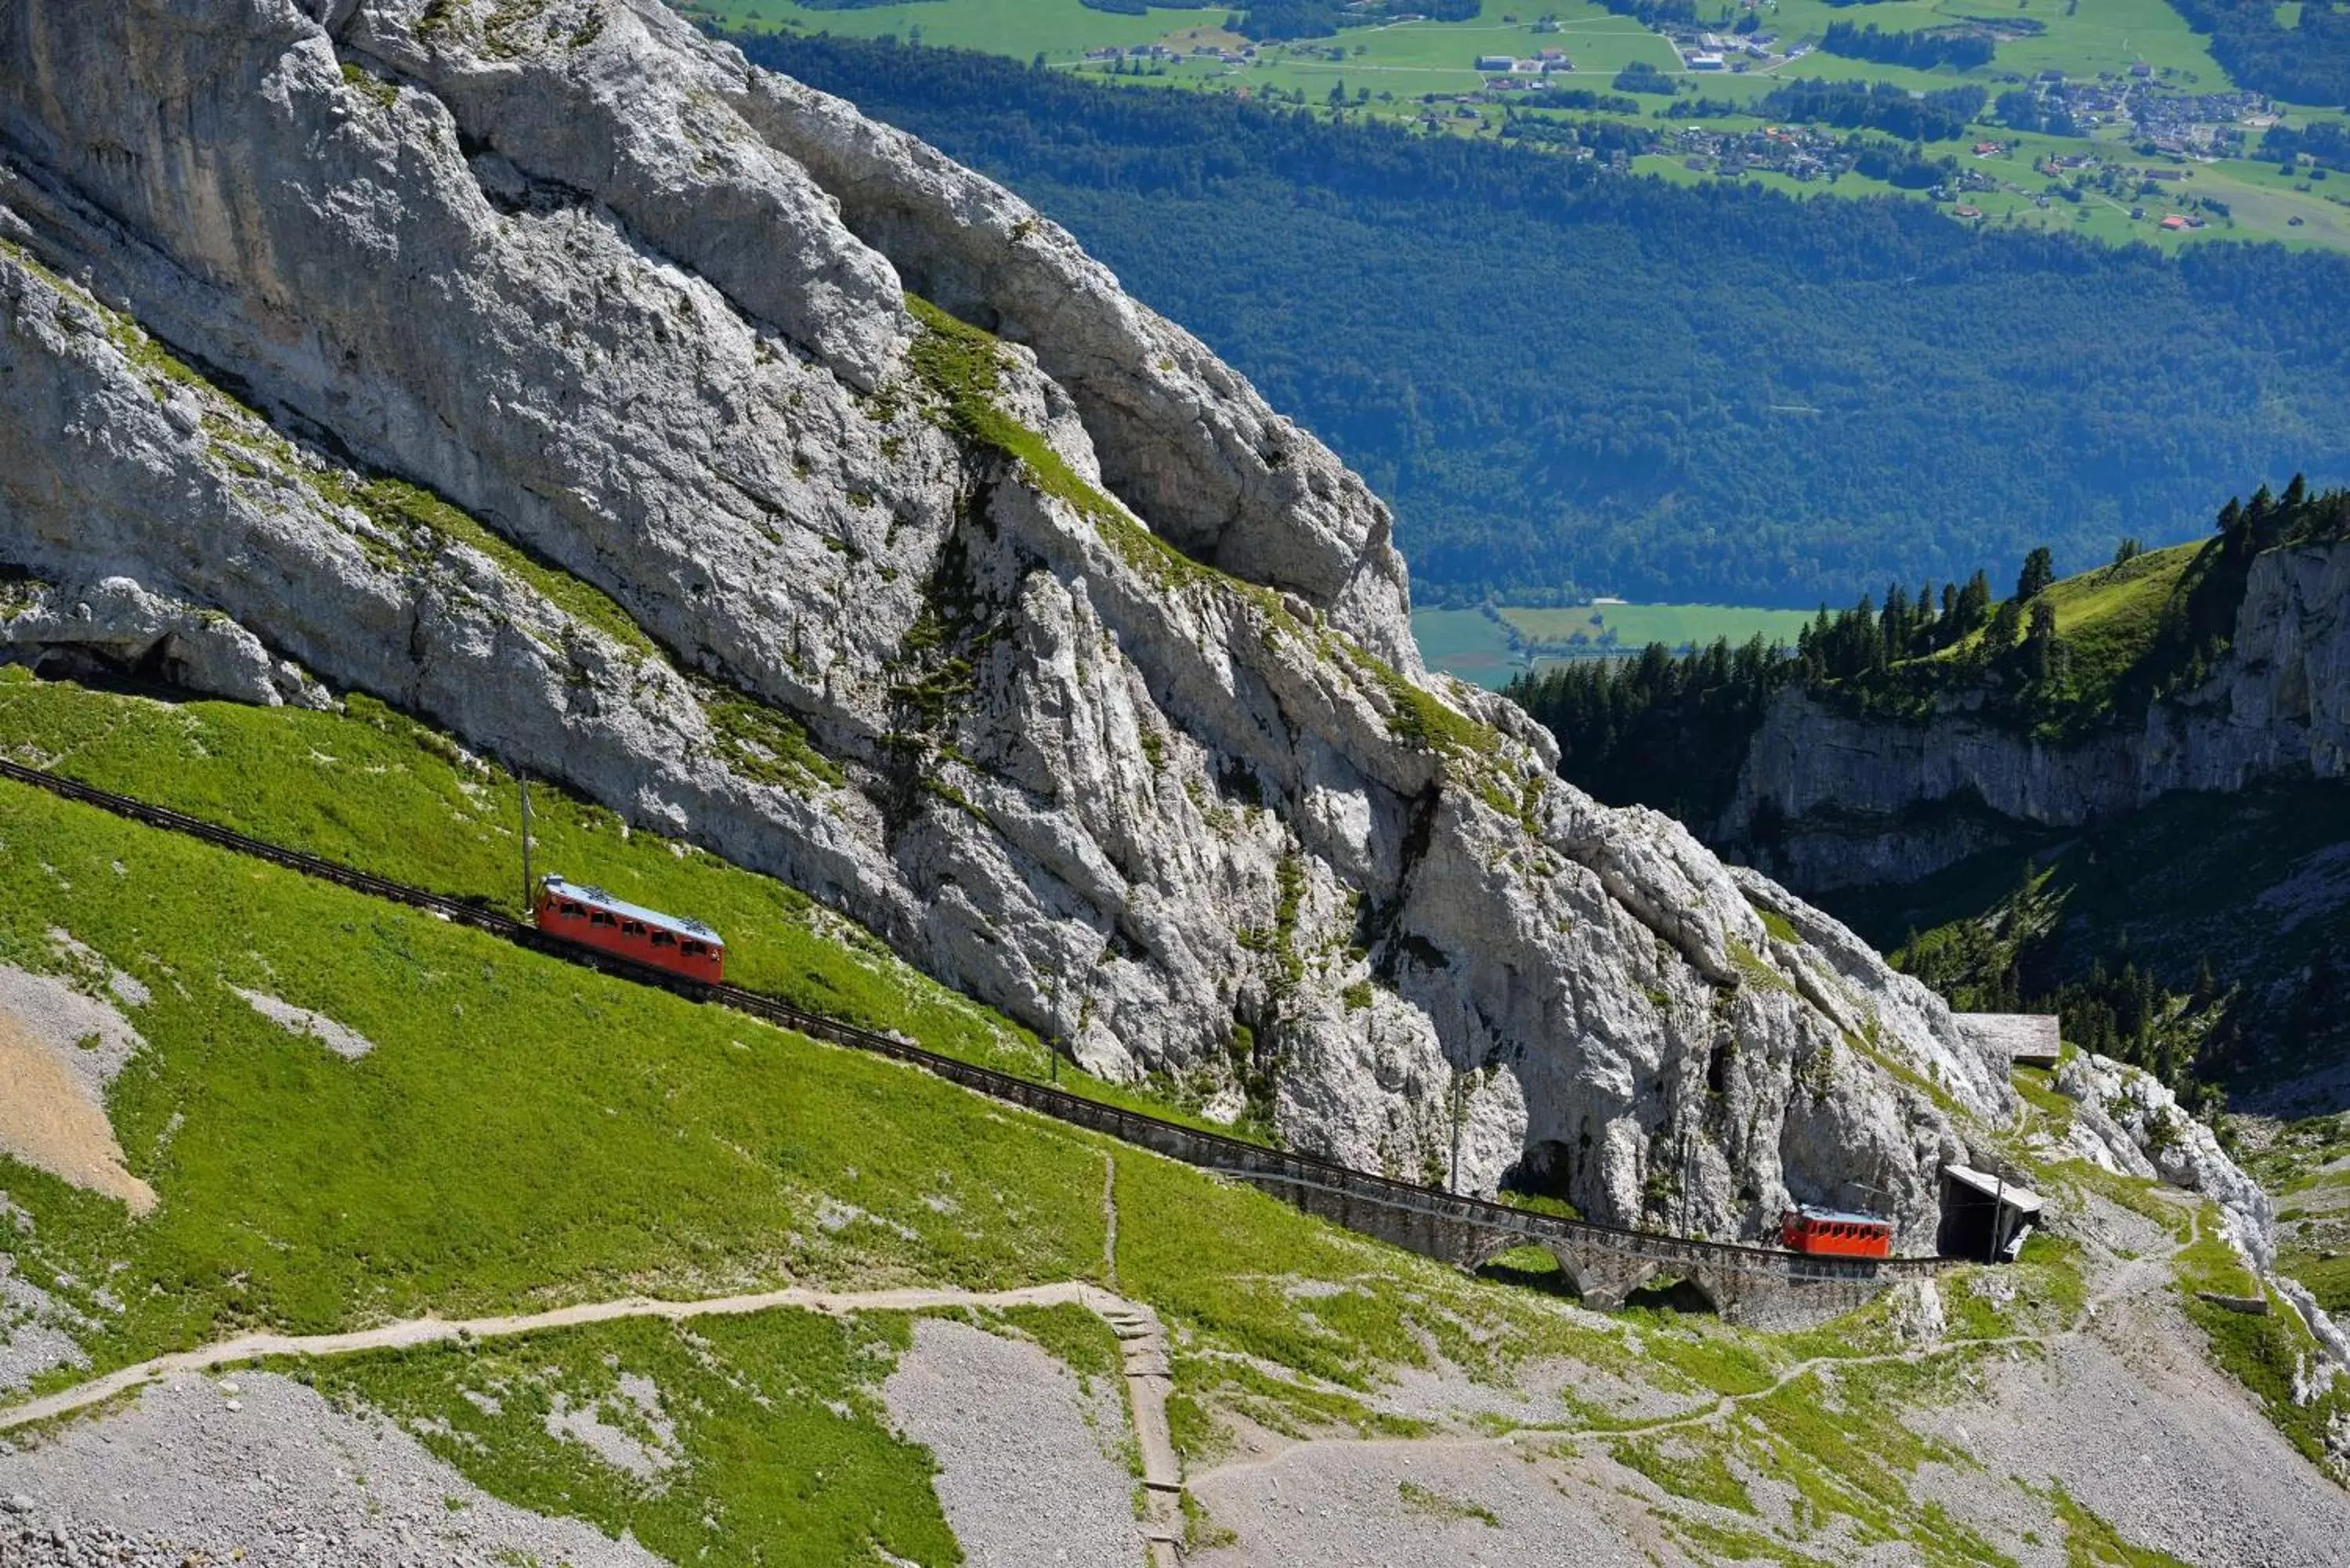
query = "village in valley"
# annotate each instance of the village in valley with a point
(2116, 123)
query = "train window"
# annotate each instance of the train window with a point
(571, 908)
(663, 939)
(598, 918)
(632, 928)
(692, 948)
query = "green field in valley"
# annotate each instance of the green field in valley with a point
(1492, 648)
(1390, 68)
(1607, 625)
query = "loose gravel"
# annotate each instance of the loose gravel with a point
(1402, 1505)
(1026, 1479)
(347, 1043)
(258, 1469)
(2137, 1427)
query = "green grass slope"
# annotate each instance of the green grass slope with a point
(528, 1133)
(525, 1134)
(374, 790)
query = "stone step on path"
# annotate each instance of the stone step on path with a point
(1150, 1378)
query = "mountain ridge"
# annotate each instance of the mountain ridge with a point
(877, 605)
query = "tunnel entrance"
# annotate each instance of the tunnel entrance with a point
(1544, 1173)
(1985, 1215)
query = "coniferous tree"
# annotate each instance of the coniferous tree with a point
(2038, 571)
(2041, 647)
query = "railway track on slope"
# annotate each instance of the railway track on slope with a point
(1431, 1217)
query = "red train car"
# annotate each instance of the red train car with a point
(593, 917)
(1835, 1233)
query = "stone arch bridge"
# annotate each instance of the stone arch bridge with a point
(1756, 1287)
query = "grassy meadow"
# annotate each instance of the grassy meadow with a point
(434, 816)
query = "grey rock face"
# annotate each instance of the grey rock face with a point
(127, 627)
(1848, 790)
(2130, 1123)
(1064, 664)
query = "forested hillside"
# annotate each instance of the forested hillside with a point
(1559, 376)
(2194, 936)
(2055, 660)
(2300, 52)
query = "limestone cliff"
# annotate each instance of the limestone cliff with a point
(1828, 801)
(669, 429)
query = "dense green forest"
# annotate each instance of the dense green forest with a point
(1889, 106)
(1562, 377)
(2306, 62)
(1955, 47)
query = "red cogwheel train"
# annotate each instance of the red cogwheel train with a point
(1835, 1233)
(594, 919)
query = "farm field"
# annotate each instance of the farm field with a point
(1384, 71)
(1468, 643)
(1478, 648)
(1633, 627)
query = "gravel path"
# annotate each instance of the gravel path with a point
(271, 1475)
(1024, 1477)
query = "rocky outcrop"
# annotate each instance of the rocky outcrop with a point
(116, 627)
(1829, 801)
(2127, 1122)
(545, 371)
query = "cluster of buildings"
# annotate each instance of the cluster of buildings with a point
(2206, 124)
(1546, 62)
(1798, 151)
(1111, 55)
(2186, 125)
(1701, 51)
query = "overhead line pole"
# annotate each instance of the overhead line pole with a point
(529, 889)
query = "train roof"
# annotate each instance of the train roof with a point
(1840, 1215)
(626, 911)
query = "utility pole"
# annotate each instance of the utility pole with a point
(1453, 1181)
(529, 891)
(1997, 1207)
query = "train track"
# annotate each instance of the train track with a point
(1280, 1168)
